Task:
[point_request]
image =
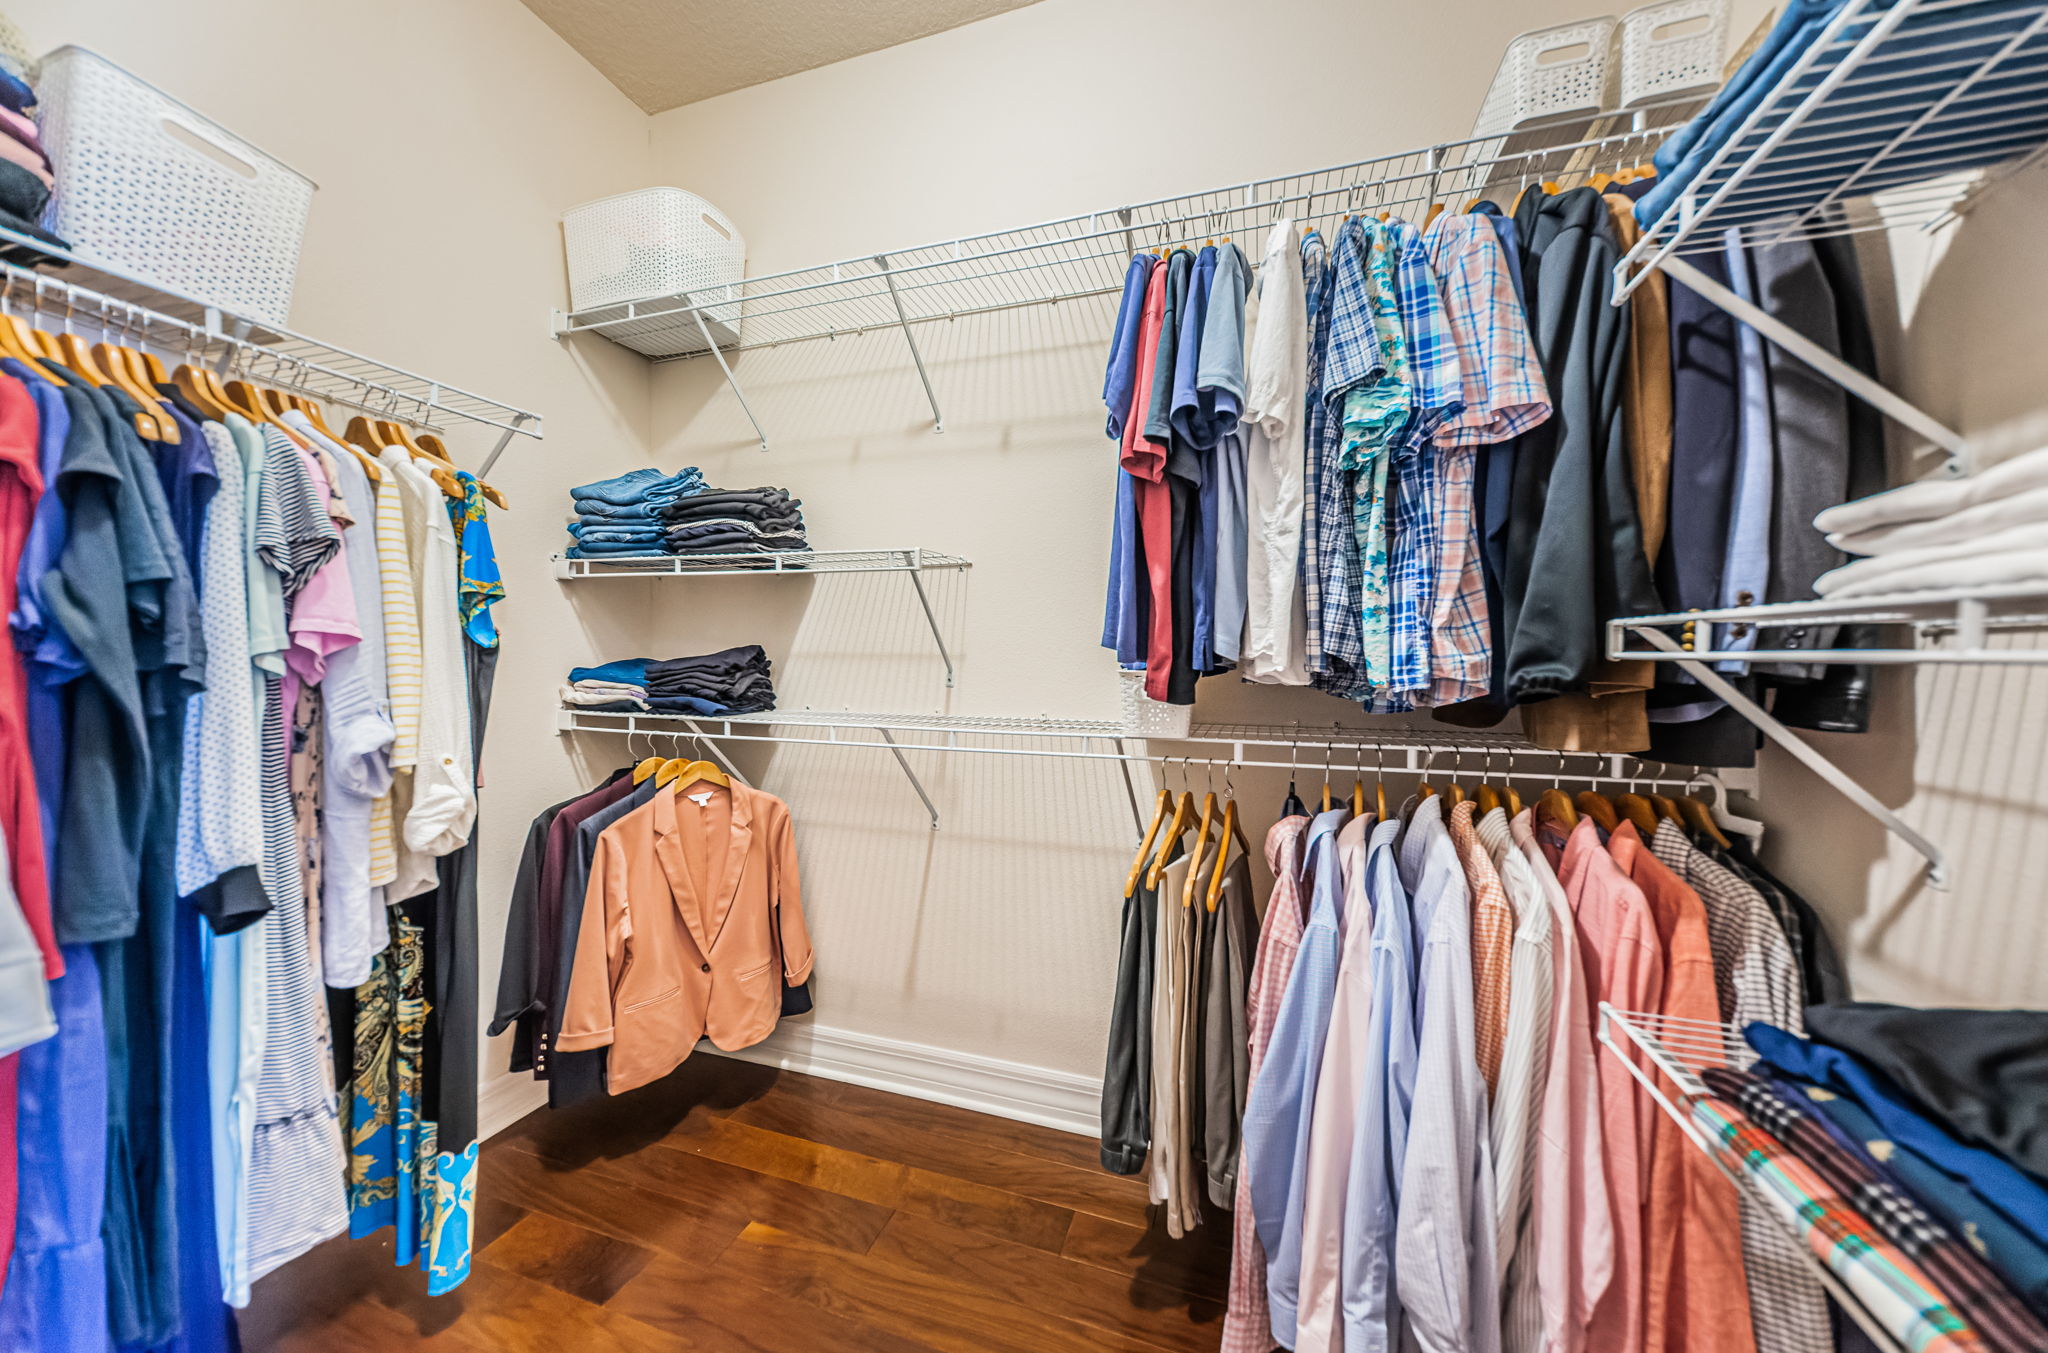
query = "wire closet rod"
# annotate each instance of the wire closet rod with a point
(311, 367)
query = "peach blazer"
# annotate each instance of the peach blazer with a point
(690, 898)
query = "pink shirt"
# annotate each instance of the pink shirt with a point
(1692, 1229)
(1340, 1084)
(1573, 1220)
(1624, 966)
(324, 619)
(1247, 1323)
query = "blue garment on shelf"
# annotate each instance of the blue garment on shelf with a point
(596, 510)
(626, 671)
(1991, 1176)
(603, 549)
(639, 486)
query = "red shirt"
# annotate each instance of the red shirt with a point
(21, 483)
(1145, 460)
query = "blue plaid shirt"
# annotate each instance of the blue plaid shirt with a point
(1344, 354)
(1435, 396)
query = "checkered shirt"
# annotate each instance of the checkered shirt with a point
(1493, 942)
(1374, 414)
(1894, 1289)
(1504, 395)
(2005, 1322)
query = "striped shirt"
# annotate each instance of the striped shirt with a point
(1518, 1100)
(1755, 978)
(1443, 1242)
(1246, 1320)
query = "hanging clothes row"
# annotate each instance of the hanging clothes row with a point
(239, 718)
(1444, 460)
(1431, 1146)
(660, 908)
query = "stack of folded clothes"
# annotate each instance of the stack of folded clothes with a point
(27, 178)
(735, 681)
(1989, 528)
(735, 521)
(623, 516)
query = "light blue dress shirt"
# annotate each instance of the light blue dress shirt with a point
(1746, 578)
(1371, 1306)
(1283, 1099)
(1444, 1263)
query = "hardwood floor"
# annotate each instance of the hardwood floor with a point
(733, 1208)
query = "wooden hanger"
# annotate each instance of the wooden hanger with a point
(1557, 805)
(1182, 811)
(113, 360)
(1379, 798)
(74, 353)
(1159, 810)
(1600, 808)
(17, 341)
(680, 775)
(438, 449)
(1454, 793)
(1231, 833)
(1639, 810)
(647, 767)
(203, 394)
(1700, 821)
(1202, 839)
(1667, 808)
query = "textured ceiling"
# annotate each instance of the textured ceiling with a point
(666, 53)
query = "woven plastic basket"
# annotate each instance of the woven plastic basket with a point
(654, 243)
(1147, 718)
(1671, 49)
(147, 186)
(1551, 75)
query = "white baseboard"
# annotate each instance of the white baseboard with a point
(1030, 1094)
(505, 1099)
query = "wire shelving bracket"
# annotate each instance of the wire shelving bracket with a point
(1880, 124)
(781, 564)
(1665, 1055)
(92, 297)
(1966, 616)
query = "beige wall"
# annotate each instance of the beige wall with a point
(446, 138)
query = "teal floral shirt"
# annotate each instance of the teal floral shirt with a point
(478, 585)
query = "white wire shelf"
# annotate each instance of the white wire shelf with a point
(64, 289)
(797, 563)
(782, 564)
(1307, 749)
(1903, 98)
(1665, 1056)
(1962, 617)
(1083, 255)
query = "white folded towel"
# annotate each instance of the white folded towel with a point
(1974, 570)
(1971, 523)
(577, 695)
(1904, 563)
(1931, 498)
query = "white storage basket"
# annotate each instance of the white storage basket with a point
(149, 187)
(654, 243)
(1551, 75)
(1671, 49)
(1148, 718)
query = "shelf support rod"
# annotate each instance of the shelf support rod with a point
(1937, 863)
(504, 440)
(704, 329)
(1820, 359)
(1130, 789)
(914, 566)
(903, 320)
(915, 783)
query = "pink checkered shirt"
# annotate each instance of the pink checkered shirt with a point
(1505, 395)
(1493, 940)
(1247, 1324)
